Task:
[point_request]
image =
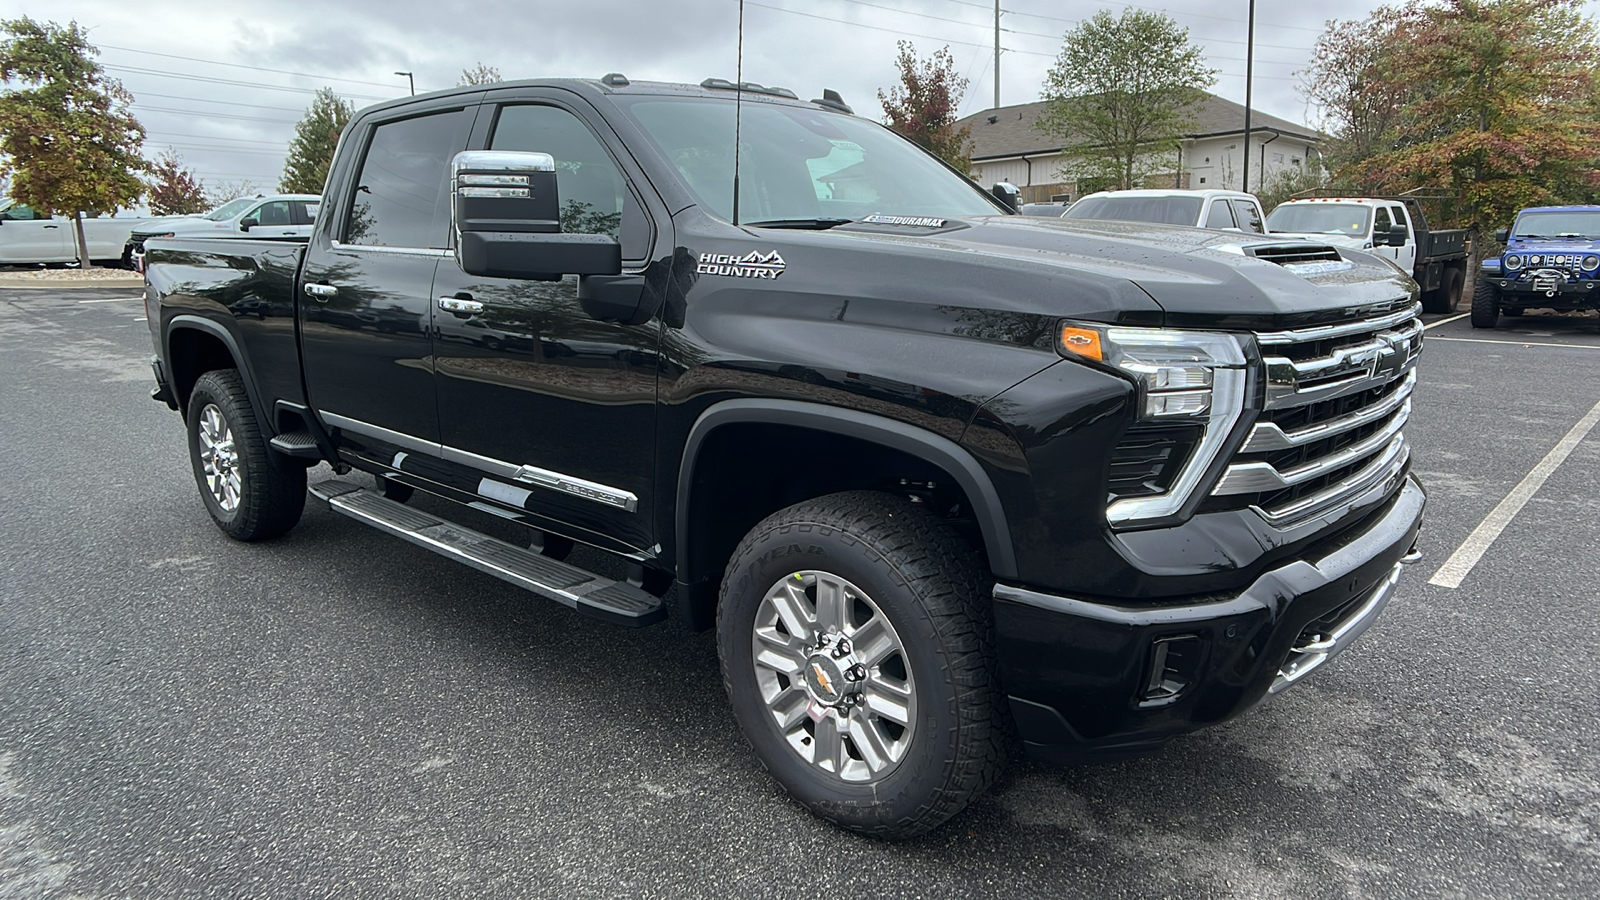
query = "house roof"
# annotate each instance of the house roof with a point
(1013, 132)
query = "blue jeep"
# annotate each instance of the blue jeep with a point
(1551, 260)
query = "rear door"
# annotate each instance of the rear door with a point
(367, 285)
(273, 219)
(553, 409)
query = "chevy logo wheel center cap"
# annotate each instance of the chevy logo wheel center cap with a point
(825, 680)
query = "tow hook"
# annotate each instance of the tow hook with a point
(1412, 557)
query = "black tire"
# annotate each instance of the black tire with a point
(928, 585)
(1448, 297)
(271, 488)
(1485, 305)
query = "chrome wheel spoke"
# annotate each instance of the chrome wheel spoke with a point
(831, 604)
(889, 700)
(790, 604)
(830, 752)
(780, 660)
(219, 460)
(789, 710)
(870, 742)
(873, 643)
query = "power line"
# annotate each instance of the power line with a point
(287, 109)
(243, 66)
(249, 84)
(212, 115)
(1029, 15)
(795, 12)
(214, 137)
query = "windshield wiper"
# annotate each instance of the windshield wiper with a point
(804, 224)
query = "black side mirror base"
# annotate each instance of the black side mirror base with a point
(614, 298)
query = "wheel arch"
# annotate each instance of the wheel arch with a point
(701, 532)
(195, 345)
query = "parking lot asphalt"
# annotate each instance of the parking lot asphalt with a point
(340, 714)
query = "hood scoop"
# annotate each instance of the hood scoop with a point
(1295, 254)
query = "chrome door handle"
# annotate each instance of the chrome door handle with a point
(457, 305)
(321, 291)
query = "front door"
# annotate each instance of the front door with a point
(28, 237)
(556, 409)
(367, 301)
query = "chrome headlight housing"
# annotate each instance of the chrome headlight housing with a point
(1183, 378)
(1513, 261)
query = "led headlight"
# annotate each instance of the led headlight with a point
(1513, 261)
(1183, 377)
(1590, 263)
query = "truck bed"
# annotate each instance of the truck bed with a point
(1435, 246)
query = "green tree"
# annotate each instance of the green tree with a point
(69, 142)
(173, 189)
(1494, 100)
(315, 137)
(1122, 93)
(923, 106)
(479, 74)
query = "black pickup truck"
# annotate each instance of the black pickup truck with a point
(937, 473)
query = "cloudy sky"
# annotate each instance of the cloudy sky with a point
(223, 82)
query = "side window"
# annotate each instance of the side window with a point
(1219, 216)
(1399, 218)
(401, 198)
(274, 213)
(1249, 218)
(595, 198)
(1380, 222)
(303, 212)
(20, 213)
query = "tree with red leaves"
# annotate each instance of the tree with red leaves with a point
(174, 190)
(923, 106)
(1497, 100)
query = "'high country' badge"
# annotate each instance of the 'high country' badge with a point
(754, 264)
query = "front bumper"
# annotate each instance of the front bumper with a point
(1093, 681)
(1537, 292)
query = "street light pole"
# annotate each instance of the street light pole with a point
(413, 81)
(1249, 70)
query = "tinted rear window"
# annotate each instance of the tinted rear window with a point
(1162, 210)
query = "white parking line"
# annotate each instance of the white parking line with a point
(112, 300)
(1478, 542)
(1517, 343)
(1444, 321)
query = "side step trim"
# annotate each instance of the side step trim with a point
(616, 602)
(300, 444)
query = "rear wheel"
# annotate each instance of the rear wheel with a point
(1485, 305)
(1448, 297)
(251, 492)
(857, 654)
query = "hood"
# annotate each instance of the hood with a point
(1552, 245)
(162, 224)
(1196, 277)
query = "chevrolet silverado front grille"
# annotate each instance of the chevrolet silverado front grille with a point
(1336, 402)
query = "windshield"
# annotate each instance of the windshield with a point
(798, 164)
(1319, 218)
(1161, 210)
(230, 209)
(1577, 223)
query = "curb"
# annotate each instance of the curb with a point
(32, 284)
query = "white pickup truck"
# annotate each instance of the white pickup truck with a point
(1391, 227)
(28, 236)
(1217, 210)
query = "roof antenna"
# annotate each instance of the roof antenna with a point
(738, 95)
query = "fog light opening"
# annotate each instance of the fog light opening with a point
(1173, 661)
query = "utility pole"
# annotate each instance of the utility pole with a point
(996, 54)
(1249, 71)
(411, 80)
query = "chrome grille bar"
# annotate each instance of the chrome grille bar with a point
(1270, 436)
(1254, 477)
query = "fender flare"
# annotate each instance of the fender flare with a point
(909, 439)
(240, 359)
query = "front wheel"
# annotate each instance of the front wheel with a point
(251, 492)
(856, 649)
(1485, 305)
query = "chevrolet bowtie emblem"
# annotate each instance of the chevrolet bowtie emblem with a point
(822, 678)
